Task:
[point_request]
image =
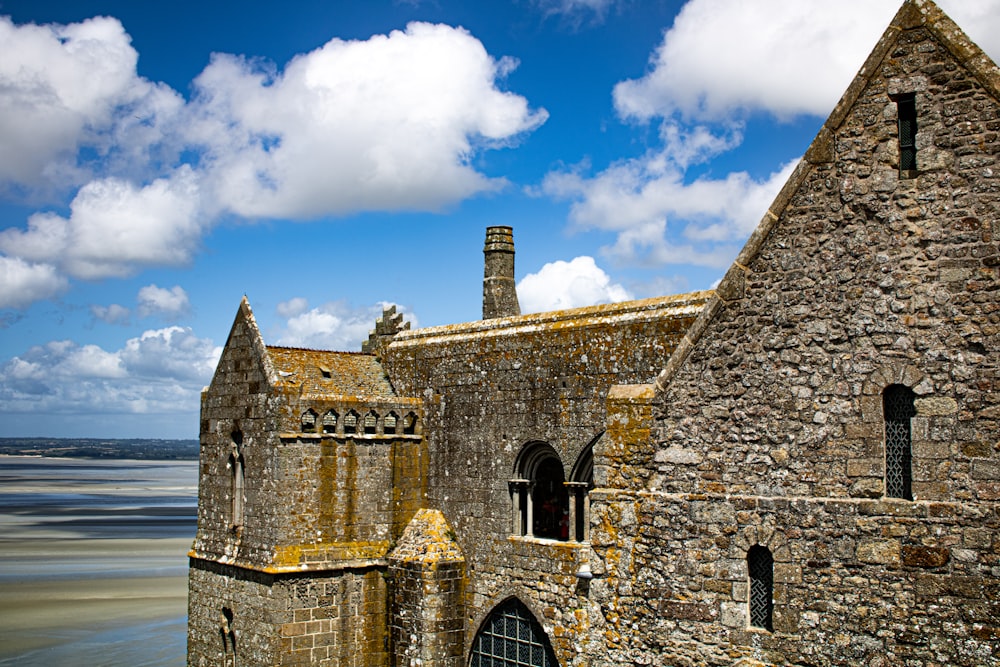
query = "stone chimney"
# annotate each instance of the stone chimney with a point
(499, 293)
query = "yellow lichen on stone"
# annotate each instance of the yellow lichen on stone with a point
(302, 555)
(428, 539)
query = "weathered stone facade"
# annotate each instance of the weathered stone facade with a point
(756, 501)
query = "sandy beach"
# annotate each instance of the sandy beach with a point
(93, 567)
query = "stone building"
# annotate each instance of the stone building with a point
(799, 468)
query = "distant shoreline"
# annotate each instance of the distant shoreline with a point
(143, 449)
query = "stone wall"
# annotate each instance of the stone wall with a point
(231, 611)
(768, 427)
(300, 579)
(855, 581)
(237, 400)
(507, 382)
(319, 618)
(427, 606)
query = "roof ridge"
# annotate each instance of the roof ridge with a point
(316, 349)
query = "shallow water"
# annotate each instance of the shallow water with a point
(93, 561)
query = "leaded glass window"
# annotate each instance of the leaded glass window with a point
(897, 404)
(511, 637)
(906, 109)
(760, 565)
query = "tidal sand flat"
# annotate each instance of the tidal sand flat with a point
(93, 560)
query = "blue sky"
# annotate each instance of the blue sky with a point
(159, 161)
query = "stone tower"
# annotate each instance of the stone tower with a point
(499, 292)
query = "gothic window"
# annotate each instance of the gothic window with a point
(760, 565)
(309, 421)
(371, 422)
(539, 494)
(511, 637)
(228, 635)
(410, 423)
(330, 422)
(389, 423)
(898, 409)
(236, 481)
(351, 422)
(581, 481)
(906, 111)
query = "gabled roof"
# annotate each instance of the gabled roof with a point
(323, 372)
(912, 14)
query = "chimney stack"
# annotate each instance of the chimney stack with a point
(499, 293)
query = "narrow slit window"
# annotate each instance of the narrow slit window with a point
(906, 111)
(898, 409)
(760, 565)
(236, 482)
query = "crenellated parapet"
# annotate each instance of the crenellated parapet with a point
(387, 326)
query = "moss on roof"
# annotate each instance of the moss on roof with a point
(332, 373)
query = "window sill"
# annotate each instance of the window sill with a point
(547, 541)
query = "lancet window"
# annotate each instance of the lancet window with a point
(760, 566)
(898, 409)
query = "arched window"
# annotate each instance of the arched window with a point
(539, 494)
(309, 421)
(760, 566)
(371, 422)
(389, 423)
(511, 637)
(581, 481)
(410, 424)
(236, 481)
(898, 409)
(351, 422)
(330, 421)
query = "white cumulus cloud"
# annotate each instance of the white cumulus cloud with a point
(793, 58)
(160, 372)
(577, 11)
(659, 218)
(390, 123)
(112, 314)
(66, 87)
(154, 300)
(293, 307)
(336, 325)
(383, 124)
(115, 228)
(22, 283)
(558, 285)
